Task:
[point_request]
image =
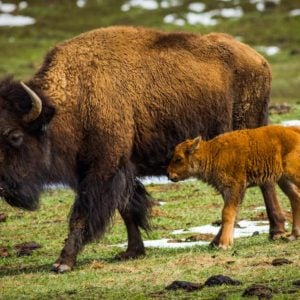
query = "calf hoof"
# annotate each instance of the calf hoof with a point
(291, 237)
(60, 268)
(220, 245)
(279, 236)
(130, 255)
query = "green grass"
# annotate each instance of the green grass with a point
(97, 275)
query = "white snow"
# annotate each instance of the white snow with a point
(197, 7)
(295, 12)
(204, 18)
(7, 7)
(261, 4)
(172, 19)
(10, 20)
(170, 3)
(247, 229)
(270, 50)
(23, 5)
(81, 3)
(145, 4)
(236, 12)
(291, 123)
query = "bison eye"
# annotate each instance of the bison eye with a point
(15, 138)
(178, 159)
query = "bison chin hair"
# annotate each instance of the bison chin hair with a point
(22, 196)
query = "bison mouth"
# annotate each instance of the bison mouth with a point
(22, 197)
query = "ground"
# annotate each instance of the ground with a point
(97, 275)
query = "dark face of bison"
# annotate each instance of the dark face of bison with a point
(24, 143)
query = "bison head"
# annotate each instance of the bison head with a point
(24, 142)
(181, 165)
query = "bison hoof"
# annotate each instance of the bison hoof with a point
(130, 255)
(60, 268)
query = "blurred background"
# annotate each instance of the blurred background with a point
(29, 28)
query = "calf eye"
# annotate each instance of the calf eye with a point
(178, 159)
(15, 138)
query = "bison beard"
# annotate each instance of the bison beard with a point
(122, 105)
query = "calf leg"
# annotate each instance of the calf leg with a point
(291, 191)
(135, 215)
(232, 199)
(274, 211)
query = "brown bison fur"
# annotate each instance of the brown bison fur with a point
(115, 102)
(233, 161)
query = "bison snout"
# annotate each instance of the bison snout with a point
(173, 177)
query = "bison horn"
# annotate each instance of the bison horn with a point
(36, 104)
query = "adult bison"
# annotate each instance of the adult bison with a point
(110, 105)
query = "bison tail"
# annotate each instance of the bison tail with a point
(140, 206)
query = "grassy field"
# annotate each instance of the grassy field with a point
(97, 274)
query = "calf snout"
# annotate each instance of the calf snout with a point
(173, 177)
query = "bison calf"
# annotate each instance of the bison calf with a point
(234, 161)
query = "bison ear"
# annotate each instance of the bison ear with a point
(195, 145)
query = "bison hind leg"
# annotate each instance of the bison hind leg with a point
(135, 215)
(294, 196)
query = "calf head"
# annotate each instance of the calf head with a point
(24, 143)
(181, 165)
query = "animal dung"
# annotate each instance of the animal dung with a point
(220, 280)
(281, 261)
(26, 248)
(258, 290)
(184, 285)
(3, 217)
(297, 283)
(4, 251)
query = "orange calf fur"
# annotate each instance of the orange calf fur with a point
(233, 161)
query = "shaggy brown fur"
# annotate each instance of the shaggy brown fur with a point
(233, 161)
(124, 97)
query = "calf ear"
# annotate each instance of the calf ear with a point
(195, 145)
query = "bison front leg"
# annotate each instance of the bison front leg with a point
(98, 197)
(232, 198)
(274, 211)
(73, 244)
(135, 216)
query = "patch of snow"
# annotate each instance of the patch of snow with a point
(197, 7)
(236, 12)
(145, 4)
(291, 123)
(172, 19)
(155, 180)
(170, 3)
(162, 203)
(23, 5)
(167, 243)
(259, 208)
(247, 229)
(10, 20)
(81, 3)
(205, 18)
(270, 51)
(261, 4)
(7, 7)
(294, 12)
